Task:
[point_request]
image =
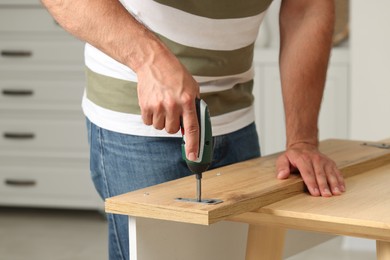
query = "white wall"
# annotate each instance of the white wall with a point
(370, 66)
(370, 69)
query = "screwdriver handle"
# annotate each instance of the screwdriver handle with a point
(205, 154)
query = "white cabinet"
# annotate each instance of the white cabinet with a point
(269, 106)
(44, 158)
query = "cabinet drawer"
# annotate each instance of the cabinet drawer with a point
(40, 94)
(30, 18)
(49, 186)
(34, 51)
(43, 136)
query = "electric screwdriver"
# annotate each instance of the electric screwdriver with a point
(205, 154)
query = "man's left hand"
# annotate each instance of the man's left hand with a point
(319, 172)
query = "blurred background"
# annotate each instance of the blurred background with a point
(48, 206)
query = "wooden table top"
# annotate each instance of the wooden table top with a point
(248, 186)
(363, 211)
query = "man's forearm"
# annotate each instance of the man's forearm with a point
(306, 33)
(108, 26)
(166, 90)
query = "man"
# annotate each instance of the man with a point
(147, 61)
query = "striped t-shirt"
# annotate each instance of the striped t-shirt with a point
(213, 39)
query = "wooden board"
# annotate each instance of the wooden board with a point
(243, 187)
(363, 211)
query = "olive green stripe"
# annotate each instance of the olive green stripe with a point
(202, 62)
(238, 97)
(112, 93)
(219, 9)
(121, 95)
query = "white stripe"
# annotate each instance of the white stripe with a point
(230, 122)
(195, 31)
(132, 124)
(215, 84)
(103, 64)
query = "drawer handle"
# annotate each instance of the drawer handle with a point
(16, 54)
(20, 183)
(19, 135)
(17, 92)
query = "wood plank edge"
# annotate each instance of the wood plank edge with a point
(257, 202)
(158, 213)
(365, 165)
(313, 225)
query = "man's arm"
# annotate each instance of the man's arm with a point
(166, 90)
(306, 29)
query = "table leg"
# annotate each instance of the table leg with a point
(382, 250)
(133, 238)
(265, 243)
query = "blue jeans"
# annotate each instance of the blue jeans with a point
(122, 163)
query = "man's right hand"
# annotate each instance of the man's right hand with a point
(166, 92)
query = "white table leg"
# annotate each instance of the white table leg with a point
(133, 238)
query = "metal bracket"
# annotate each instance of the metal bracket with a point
(377, 145)
(203, 201)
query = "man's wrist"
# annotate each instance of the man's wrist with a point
(312, 142)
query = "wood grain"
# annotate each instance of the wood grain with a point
(382, 250)
(243, 187)
(363, 211)
(265, 242)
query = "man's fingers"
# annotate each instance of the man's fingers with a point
(172, 118)
(340, 178)
(159, 120)
(322, 179)
(283, 167)
(332, 180)
(172, 124)
(147, 118)
(163, 116)
(191, 131)
(308, 175)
